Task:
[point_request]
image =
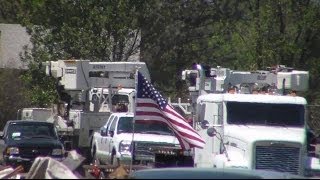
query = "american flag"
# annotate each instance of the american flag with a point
(151, 106)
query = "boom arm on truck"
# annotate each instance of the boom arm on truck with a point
(246, 130)
(84, 81)
(219, 79)
(90, 92)
(276, 80)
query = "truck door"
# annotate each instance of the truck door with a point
(101, 140)
(218, 125)
(110, 138)
(209, 112)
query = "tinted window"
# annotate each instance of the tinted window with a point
(117, 98)
(265, 114)
(28, 130)
(125, 126)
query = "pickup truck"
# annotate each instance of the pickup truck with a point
(151, 144)
(24, 140)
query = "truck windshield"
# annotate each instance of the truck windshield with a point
(118, 98)
(125, 126)
(28, 130)
(291, 115)
(119, 102)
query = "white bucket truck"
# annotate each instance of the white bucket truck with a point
(259, 124)
(89, 92)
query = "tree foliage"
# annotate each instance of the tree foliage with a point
(100, 30)
(242, 35)
(12, 95)
(9, 11)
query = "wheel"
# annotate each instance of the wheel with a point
(95, 160)
(102, 175)
(91, 152)
(114, 159)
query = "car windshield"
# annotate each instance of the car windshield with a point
(119, 102)
(125, 126)
(291, 115)
(18, 131)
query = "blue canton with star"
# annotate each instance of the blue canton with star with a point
(146, 90)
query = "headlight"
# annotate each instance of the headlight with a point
(12, 150)
(125, 147)
(56, 152)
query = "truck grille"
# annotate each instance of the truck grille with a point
(278, 157)
(35, 152)
(156, 148)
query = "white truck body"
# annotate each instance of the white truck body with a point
(113, 144)
(245, 130)
(121, 95)
(85, 124)
(43, 114)
(278, 144)
(89, 92)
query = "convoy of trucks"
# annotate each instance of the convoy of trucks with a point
(250, 120)
(89, 92)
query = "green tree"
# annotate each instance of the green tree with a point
(99, 30)
(241, 35)
(9, 11)
(12, 95)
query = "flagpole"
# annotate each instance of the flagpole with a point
(134, 115)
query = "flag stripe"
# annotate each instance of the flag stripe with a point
(187, 134)
(152, 107)
(147, 103)
(156, 114)
(194, 143)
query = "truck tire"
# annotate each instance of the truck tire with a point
(96, 161)
(90, 153)
(114, 159)
(102, 175)
(94, 158)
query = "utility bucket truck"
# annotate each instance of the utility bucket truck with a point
(89, 92)
(260, 124)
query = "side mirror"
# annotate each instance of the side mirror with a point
(204, 124)
(111, 133)
(211, 132)
(102, 132)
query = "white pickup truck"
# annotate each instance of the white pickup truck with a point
(154, 144)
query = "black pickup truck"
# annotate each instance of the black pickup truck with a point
(25, 140)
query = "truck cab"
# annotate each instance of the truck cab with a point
(252, 131)
(250, 119)
(116, 100)
(89, 92)
(121, 140)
